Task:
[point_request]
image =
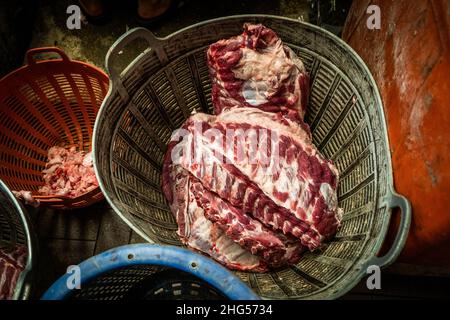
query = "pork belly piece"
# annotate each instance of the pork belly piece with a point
(255, 69)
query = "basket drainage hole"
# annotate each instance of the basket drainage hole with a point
(130, 256)
(194, 265)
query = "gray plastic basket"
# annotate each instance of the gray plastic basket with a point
(16, 229)
(159, 89)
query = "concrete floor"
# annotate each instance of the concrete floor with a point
(68, 238)
(91, 43)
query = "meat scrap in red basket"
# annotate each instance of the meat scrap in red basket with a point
(68, 172)
(247, 186)
(12, 263)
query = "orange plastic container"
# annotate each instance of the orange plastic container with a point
(410, 60)
(43, 104)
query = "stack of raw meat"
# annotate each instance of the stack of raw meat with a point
(246, 185)
(68, 172)
(12, 263)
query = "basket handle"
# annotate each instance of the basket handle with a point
(32, 52)
(396, 201)
(115, 50)
(25, 289)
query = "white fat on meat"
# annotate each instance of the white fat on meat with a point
(263, 72)
(199, 233)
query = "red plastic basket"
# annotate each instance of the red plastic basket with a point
(43, 104)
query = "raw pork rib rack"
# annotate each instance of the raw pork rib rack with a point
(259, 199)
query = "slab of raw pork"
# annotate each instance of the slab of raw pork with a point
(273, 247)
(12, 263)
(279, 177)
(211, 225)
(199, 233)
(247, 185)
(26, 197)
(255, 69)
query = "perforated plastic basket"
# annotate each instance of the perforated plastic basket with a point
(16, 230)
(145, 271)
(43, 104)
(165, 83)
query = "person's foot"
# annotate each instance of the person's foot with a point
(92, 8)
(150, 9)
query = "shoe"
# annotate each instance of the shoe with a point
(151, 11)
(94, 11)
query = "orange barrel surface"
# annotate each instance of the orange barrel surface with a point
(409, 58)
